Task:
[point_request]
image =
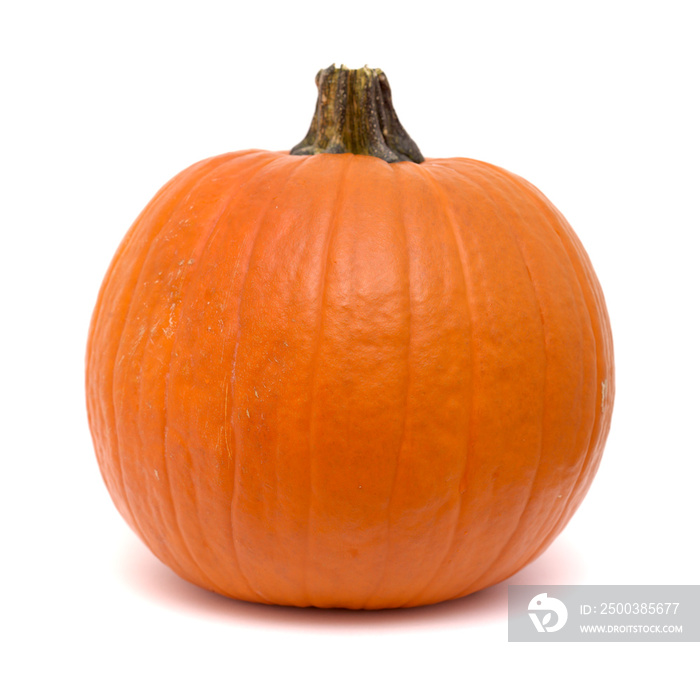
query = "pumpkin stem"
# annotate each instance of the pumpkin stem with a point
(354, 114)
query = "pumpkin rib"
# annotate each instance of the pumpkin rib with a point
(184, 177)
(602, 316)
(199, 370)
(593, 458)
(592, 287)
(534, 301)
(278, 318)
(196, 254)
(585, 322)
(188, 287)
(543, 205)
(450, 220)
(587, 425)
(97, 415)
(473, 180)
(585, 462)
(478, 581)
(231, 449)
(401, 224)
(254, 235)
(258, 171)
(588, 463)
(159, 513)
(323, 283)
(584, 289)
(583, 369)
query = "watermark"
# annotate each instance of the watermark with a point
(603, 613)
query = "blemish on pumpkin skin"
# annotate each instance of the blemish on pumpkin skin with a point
(155, 471)
(228, 446)
(603, 393)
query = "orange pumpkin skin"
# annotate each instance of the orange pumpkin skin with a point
(334, 381)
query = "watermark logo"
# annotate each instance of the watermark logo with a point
(544, 603)
(604, 613)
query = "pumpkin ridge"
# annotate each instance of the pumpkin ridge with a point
(203, 243)
(193, 184)
(491, 565)
(550, 214)
(588, 462)
(589, 425)
(330, 234)
(585, 462)
(400, 217)
(594, 286)
(573, 262)
(254, 235)
(450, 220)
(118, 458)
(600, 430)
(90, 361)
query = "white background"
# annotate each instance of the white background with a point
(596, 103)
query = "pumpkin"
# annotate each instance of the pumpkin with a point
(349, 376)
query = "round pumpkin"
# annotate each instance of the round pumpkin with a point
(348, 376)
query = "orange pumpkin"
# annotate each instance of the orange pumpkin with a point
(348, 376)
